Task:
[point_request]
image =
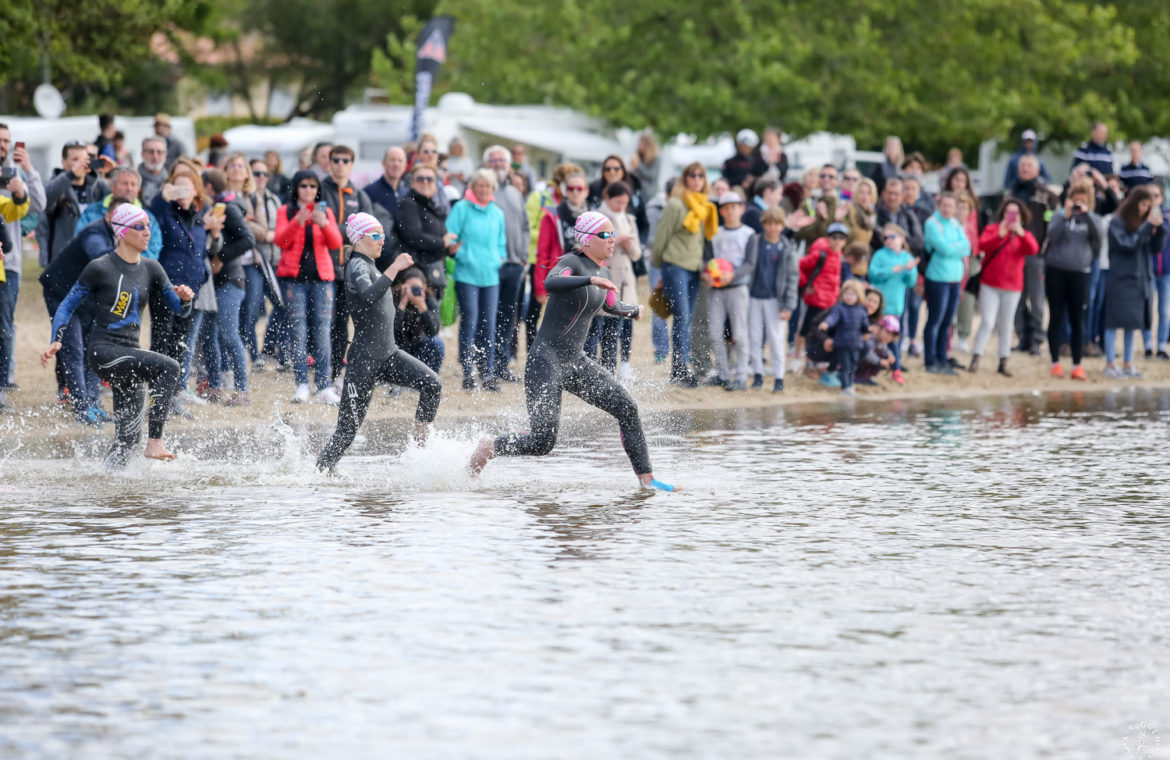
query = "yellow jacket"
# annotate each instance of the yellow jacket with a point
(12, 212)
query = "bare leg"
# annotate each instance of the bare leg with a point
(484, 453)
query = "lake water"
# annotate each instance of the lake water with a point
(966, 579)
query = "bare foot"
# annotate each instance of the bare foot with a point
(156, 450)
(484, 453)
(421, 431)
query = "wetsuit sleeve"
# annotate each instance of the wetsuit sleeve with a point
(564, 277)
(162, 283)
(362, 285)
(77, 294)
(615, 308)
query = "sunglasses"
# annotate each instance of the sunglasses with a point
(576, 188)
(613, 168)
(341, 160)
(377, 237)
(696, 175)
(424, 180)
(140, 227)
(258, 175)
(606, 235)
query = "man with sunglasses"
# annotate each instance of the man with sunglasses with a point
(345, 199)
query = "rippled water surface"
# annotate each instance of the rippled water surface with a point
(983, 579)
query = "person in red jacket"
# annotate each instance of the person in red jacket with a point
(305, 232)
(1003, 247)
(556, 228)
(820, 279)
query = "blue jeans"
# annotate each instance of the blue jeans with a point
(659, 334)
(1111, 346)
(305, 301)
(190, 347)
(681, 288)
(8, 300)
(942, 301)
(910, 316)
(1162, 293)
(1096, 316)
(477, 328)
(252, 309)
(429, 352)
(511, 280)
(206, 345)
(229, 299)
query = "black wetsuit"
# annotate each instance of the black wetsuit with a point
(119, 291)
(374, 357)
(558, 362)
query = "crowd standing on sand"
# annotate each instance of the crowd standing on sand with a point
(749, 274)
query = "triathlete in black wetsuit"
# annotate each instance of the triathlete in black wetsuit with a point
(578, 289)
(119, 285)
(373, 356)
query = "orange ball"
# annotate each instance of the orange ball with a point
(721, 272)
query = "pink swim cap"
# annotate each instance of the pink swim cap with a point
(359, 225)
(588, 225)
(126, 216)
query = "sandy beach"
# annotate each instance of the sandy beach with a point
(33, 409)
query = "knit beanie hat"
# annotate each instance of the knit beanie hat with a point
(588, 225)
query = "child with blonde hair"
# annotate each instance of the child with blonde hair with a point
(850, 324)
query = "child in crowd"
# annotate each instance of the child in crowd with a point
(820, 279)
(730, 301)
(877, 351)
(893, 270)
(772, 295)
(850, 324)
(854, 262)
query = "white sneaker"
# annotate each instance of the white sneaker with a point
(302, 394)
(187, 397)
(964, 346)
(328, 396)
(337, 384)
(626, 371)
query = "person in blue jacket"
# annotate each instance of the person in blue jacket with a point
(946, 245)
(893, 270)
(125, 182)
(476, 228)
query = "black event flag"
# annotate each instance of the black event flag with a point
(432, 52)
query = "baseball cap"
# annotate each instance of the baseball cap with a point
(1029, 134)
(890, 322)
(729, 197)
(837, 228)
(747, 137)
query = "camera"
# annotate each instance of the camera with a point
(1079, 208)
(416, 290)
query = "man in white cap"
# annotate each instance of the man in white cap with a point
(745, 166)
(1027, 148)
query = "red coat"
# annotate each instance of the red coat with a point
(1006, 270)
(549, 248)
(827, 285)
(290, 238)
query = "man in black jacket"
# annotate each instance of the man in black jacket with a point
(345, 199)
(891, 210)
(1040, 202)
(65, 195)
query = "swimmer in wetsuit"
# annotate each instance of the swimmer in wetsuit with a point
(373, 355)
(577, 289)
(120, 284)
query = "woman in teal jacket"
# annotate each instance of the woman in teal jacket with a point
(893, 270)
(476, 228)
(947, 245)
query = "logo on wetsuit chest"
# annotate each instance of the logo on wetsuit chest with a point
(122, 303)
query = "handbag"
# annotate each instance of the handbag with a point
(974, 281)
(659, 303)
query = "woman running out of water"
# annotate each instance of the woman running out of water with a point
(577, 289)
(120, 284)
(373, 355)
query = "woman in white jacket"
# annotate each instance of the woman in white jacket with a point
(621, 272)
